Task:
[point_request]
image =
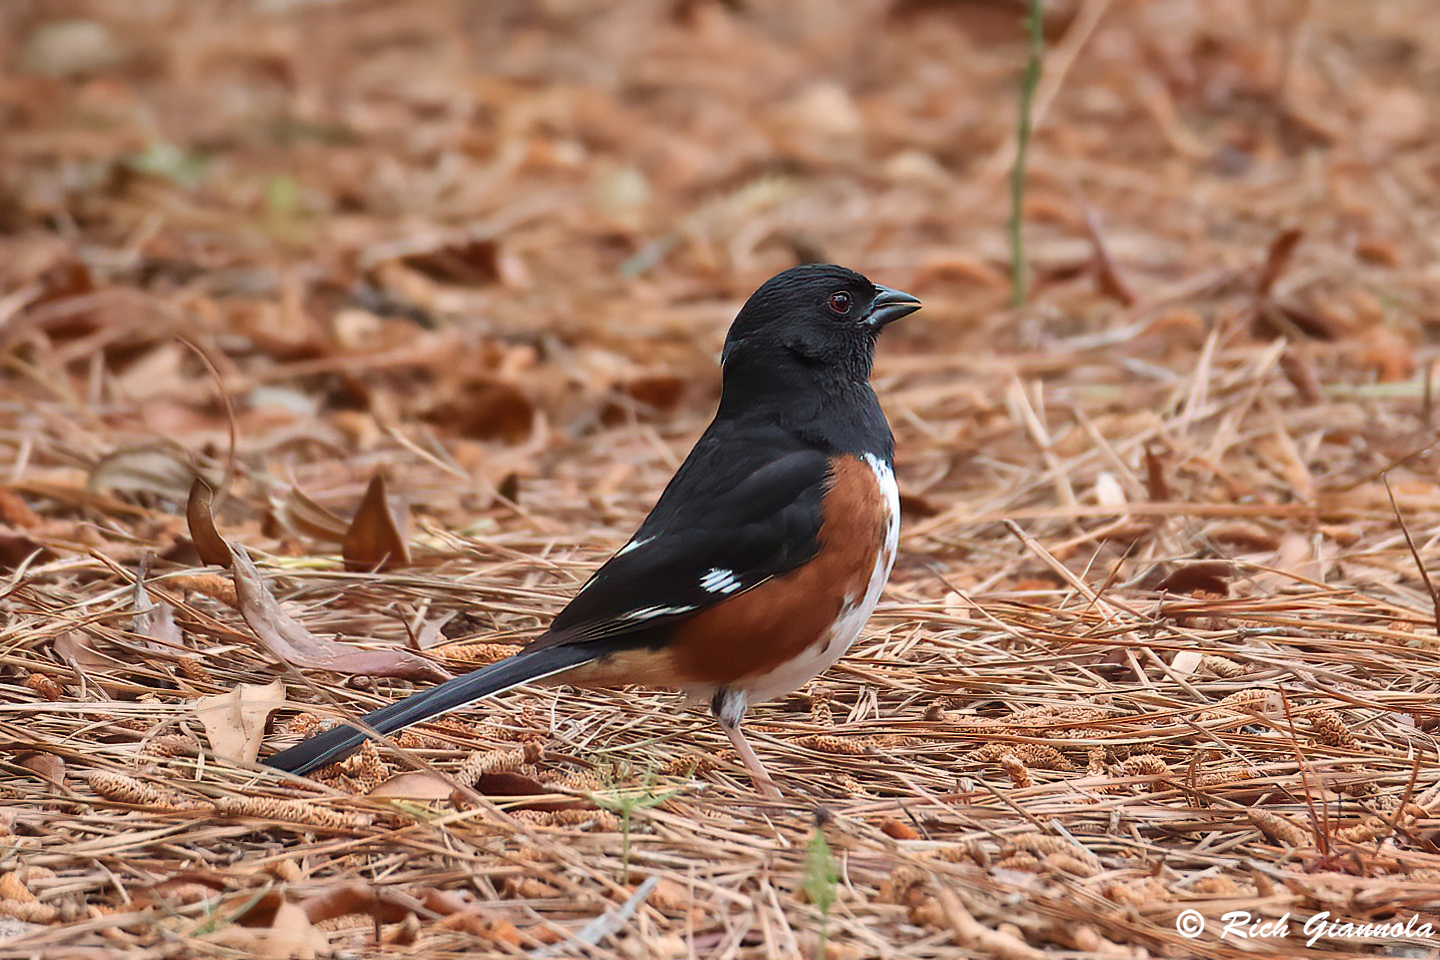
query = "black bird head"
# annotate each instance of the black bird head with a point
(817, 316)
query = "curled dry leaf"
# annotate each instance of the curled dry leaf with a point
(1277, 258)
(1208, 576)
(208, 542)
(300, 514)
(291, 643)
(153, 470)
(235, 721)
(375, 540)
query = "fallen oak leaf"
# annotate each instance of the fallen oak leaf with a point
(235, 721)
(288, 641)
(375, 539)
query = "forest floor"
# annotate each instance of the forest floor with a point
(1160, 645)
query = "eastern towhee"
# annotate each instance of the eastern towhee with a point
(765, 554)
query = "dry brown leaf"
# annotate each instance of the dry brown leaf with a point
(467, 262)
(290, 936)
(1108, 278)
(208, 543)
(288, 641)
(414, 785)
(149, 470)
(509, 784)
(375, 540)
(235, 721)
(1206, 576)
(155, 621)
(1277, 257)
(486, 410)
(347, 899)
(78, 648)
(15, 512)
(45, 765)
(16, 549)
(298, 513)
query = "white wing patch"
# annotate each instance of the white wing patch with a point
(650, 613)
(720, 580)
(633, 545)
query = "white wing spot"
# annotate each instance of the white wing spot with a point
(633, 545)
(720, 580)
(650, 613)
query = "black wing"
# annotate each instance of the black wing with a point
(726, 523)
(723, 525)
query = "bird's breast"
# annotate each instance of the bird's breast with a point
(774, 637)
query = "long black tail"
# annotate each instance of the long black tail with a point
(337, 743)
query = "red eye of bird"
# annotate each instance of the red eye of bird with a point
(839, 302)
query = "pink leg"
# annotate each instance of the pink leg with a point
(764, 783)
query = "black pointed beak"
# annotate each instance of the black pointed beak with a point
(890, 305)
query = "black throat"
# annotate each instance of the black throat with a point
(830, 406)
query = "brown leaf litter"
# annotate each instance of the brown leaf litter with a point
(285, 249)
